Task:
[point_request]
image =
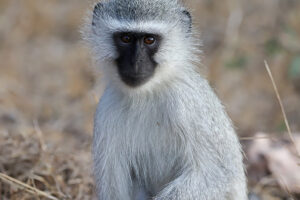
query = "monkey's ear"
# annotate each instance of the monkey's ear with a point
(97, 12)
(187, 19)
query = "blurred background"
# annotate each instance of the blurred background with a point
(49, 90)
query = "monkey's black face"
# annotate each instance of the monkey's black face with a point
(136, 62)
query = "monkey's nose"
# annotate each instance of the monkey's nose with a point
(137, 66)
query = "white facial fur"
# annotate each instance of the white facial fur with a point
(177, 47)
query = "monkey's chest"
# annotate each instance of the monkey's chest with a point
(143, 140)
(155, 153)
(148, 144)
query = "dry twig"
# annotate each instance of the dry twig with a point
(282, 108)
(256, 138)
(25, 187)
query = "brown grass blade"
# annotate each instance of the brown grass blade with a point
(282, 108)
(25, 187)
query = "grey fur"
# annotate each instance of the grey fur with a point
(139, 10)
(169, 139)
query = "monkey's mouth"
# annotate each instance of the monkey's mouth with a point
(134, 80)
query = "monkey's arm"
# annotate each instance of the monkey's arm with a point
(210, 172)
(212, 166)
(111, 171)
(112, 177)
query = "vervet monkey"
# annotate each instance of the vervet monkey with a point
(160, 131)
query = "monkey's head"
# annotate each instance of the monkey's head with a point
(141, 43)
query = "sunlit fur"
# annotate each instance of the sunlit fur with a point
(172, 132)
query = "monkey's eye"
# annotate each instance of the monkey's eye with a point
(126, 38)
(149, 40)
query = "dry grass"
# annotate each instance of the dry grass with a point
(48, 90)
(39, 174)
(27, 188)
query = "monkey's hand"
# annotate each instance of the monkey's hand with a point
(188, 187)
(195, 186)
